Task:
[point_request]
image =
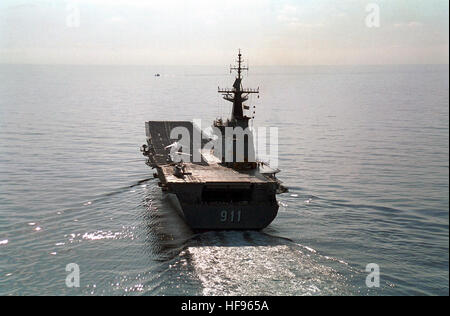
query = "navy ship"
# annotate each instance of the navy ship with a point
(212, 182)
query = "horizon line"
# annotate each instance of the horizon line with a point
(218, 65)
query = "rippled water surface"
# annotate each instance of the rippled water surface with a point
(364, 151)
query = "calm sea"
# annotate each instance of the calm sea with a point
(364, 151)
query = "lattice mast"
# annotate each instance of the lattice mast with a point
(238, 95)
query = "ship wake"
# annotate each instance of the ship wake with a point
(253, 263)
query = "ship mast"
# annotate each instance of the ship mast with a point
(238, 95)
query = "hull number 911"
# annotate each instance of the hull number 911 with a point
(230, 216)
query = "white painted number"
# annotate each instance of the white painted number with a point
(232, 216)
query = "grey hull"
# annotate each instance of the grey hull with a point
(225, 216)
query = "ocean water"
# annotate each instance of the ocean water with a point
(364, 151)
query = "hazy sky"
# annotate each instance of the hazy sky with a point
(197, 32)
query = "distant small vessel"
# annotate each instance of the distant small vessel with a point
(216, 193)
(157, 75)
